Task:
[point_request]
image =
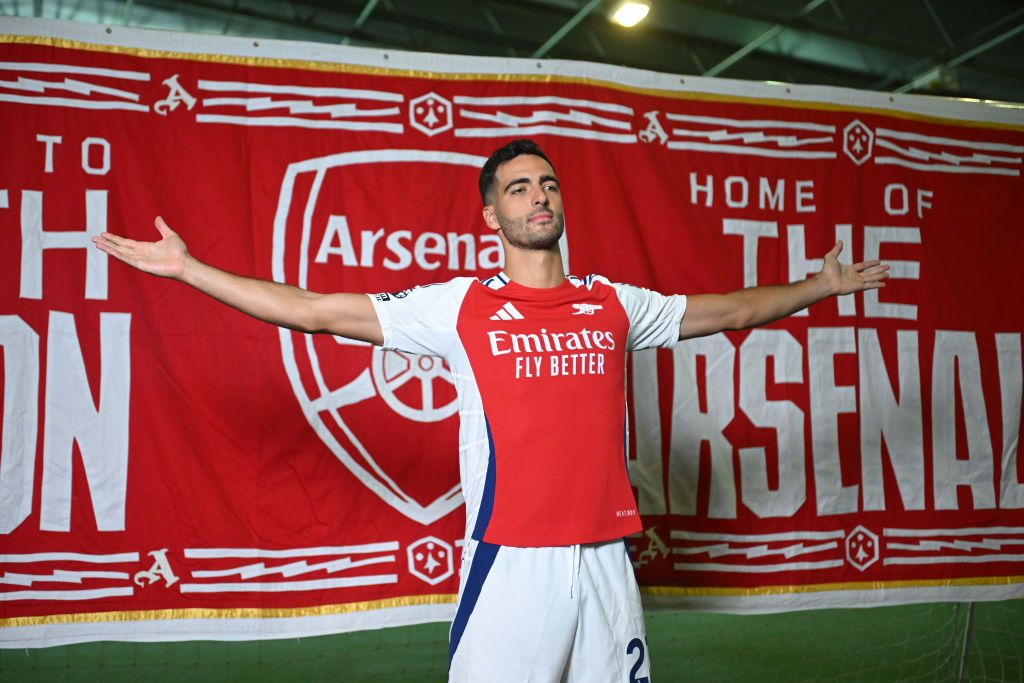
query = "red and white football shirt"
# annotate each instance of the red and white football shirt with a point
(540, 376)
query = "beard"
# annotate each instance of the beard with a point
(537, 237)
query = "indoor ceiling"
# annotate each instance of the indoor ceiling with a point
(958, 48)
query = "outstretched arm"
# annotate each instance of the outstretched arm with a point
(710, 313)
(348, 315)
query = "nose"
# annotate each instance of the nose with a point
(540, 196)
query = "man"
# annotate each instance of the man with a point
(547, 589)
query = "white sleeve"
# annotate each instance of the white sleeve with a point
(654, 318)
(421, 320)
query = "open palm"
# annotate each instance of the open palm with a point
(845, 279)
(165, 258)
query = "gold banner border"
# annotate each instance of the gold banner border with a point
(683, 591)
(233, 613)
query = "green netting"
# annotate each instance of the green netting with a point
(908, 643)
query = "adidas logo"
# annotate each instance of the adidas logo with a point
(507, 312)
(586, 309)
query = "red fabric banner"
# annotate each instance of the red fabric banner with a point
(172, 469)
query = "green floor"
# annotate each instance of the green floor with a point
(910, 643)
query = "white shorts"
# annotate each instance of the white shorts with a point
(567, 613)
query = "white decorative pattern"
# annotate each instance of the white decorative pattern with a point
(756, 137)
(90, 94)
(40, 570)
(382, 553)
(933, 546)
(772, 551)
(306, 106)
(545, 115)
(936, 154)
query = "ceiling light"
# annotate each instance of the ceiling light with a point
(630, 13)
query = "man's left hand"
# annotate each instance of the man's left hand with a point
(844, 279)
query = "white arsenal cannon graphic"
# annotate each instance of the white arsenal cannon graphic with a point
(160, 569)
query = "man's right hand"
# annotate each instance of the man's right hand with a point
(345, 315)
(166, 258)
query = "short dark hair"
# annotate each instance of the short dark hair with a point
(501, 155)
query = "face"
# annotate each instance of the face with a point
(528, 205)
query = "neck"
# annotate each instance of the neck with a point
(539, 269)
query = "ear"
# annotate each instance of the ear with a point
(490, 218)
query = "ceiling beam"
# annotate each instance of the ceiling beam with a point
(744, 51)
(208, 8)
(854, 77)
(926, 77)
(802, 24)
(922, 61)
(566, 27)
(370, 34)
(759, 41)
(673, 37)
(361, 19)
(821, 72)
(495, 25)
(930, 62)
(126, 15)
(938, 24)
